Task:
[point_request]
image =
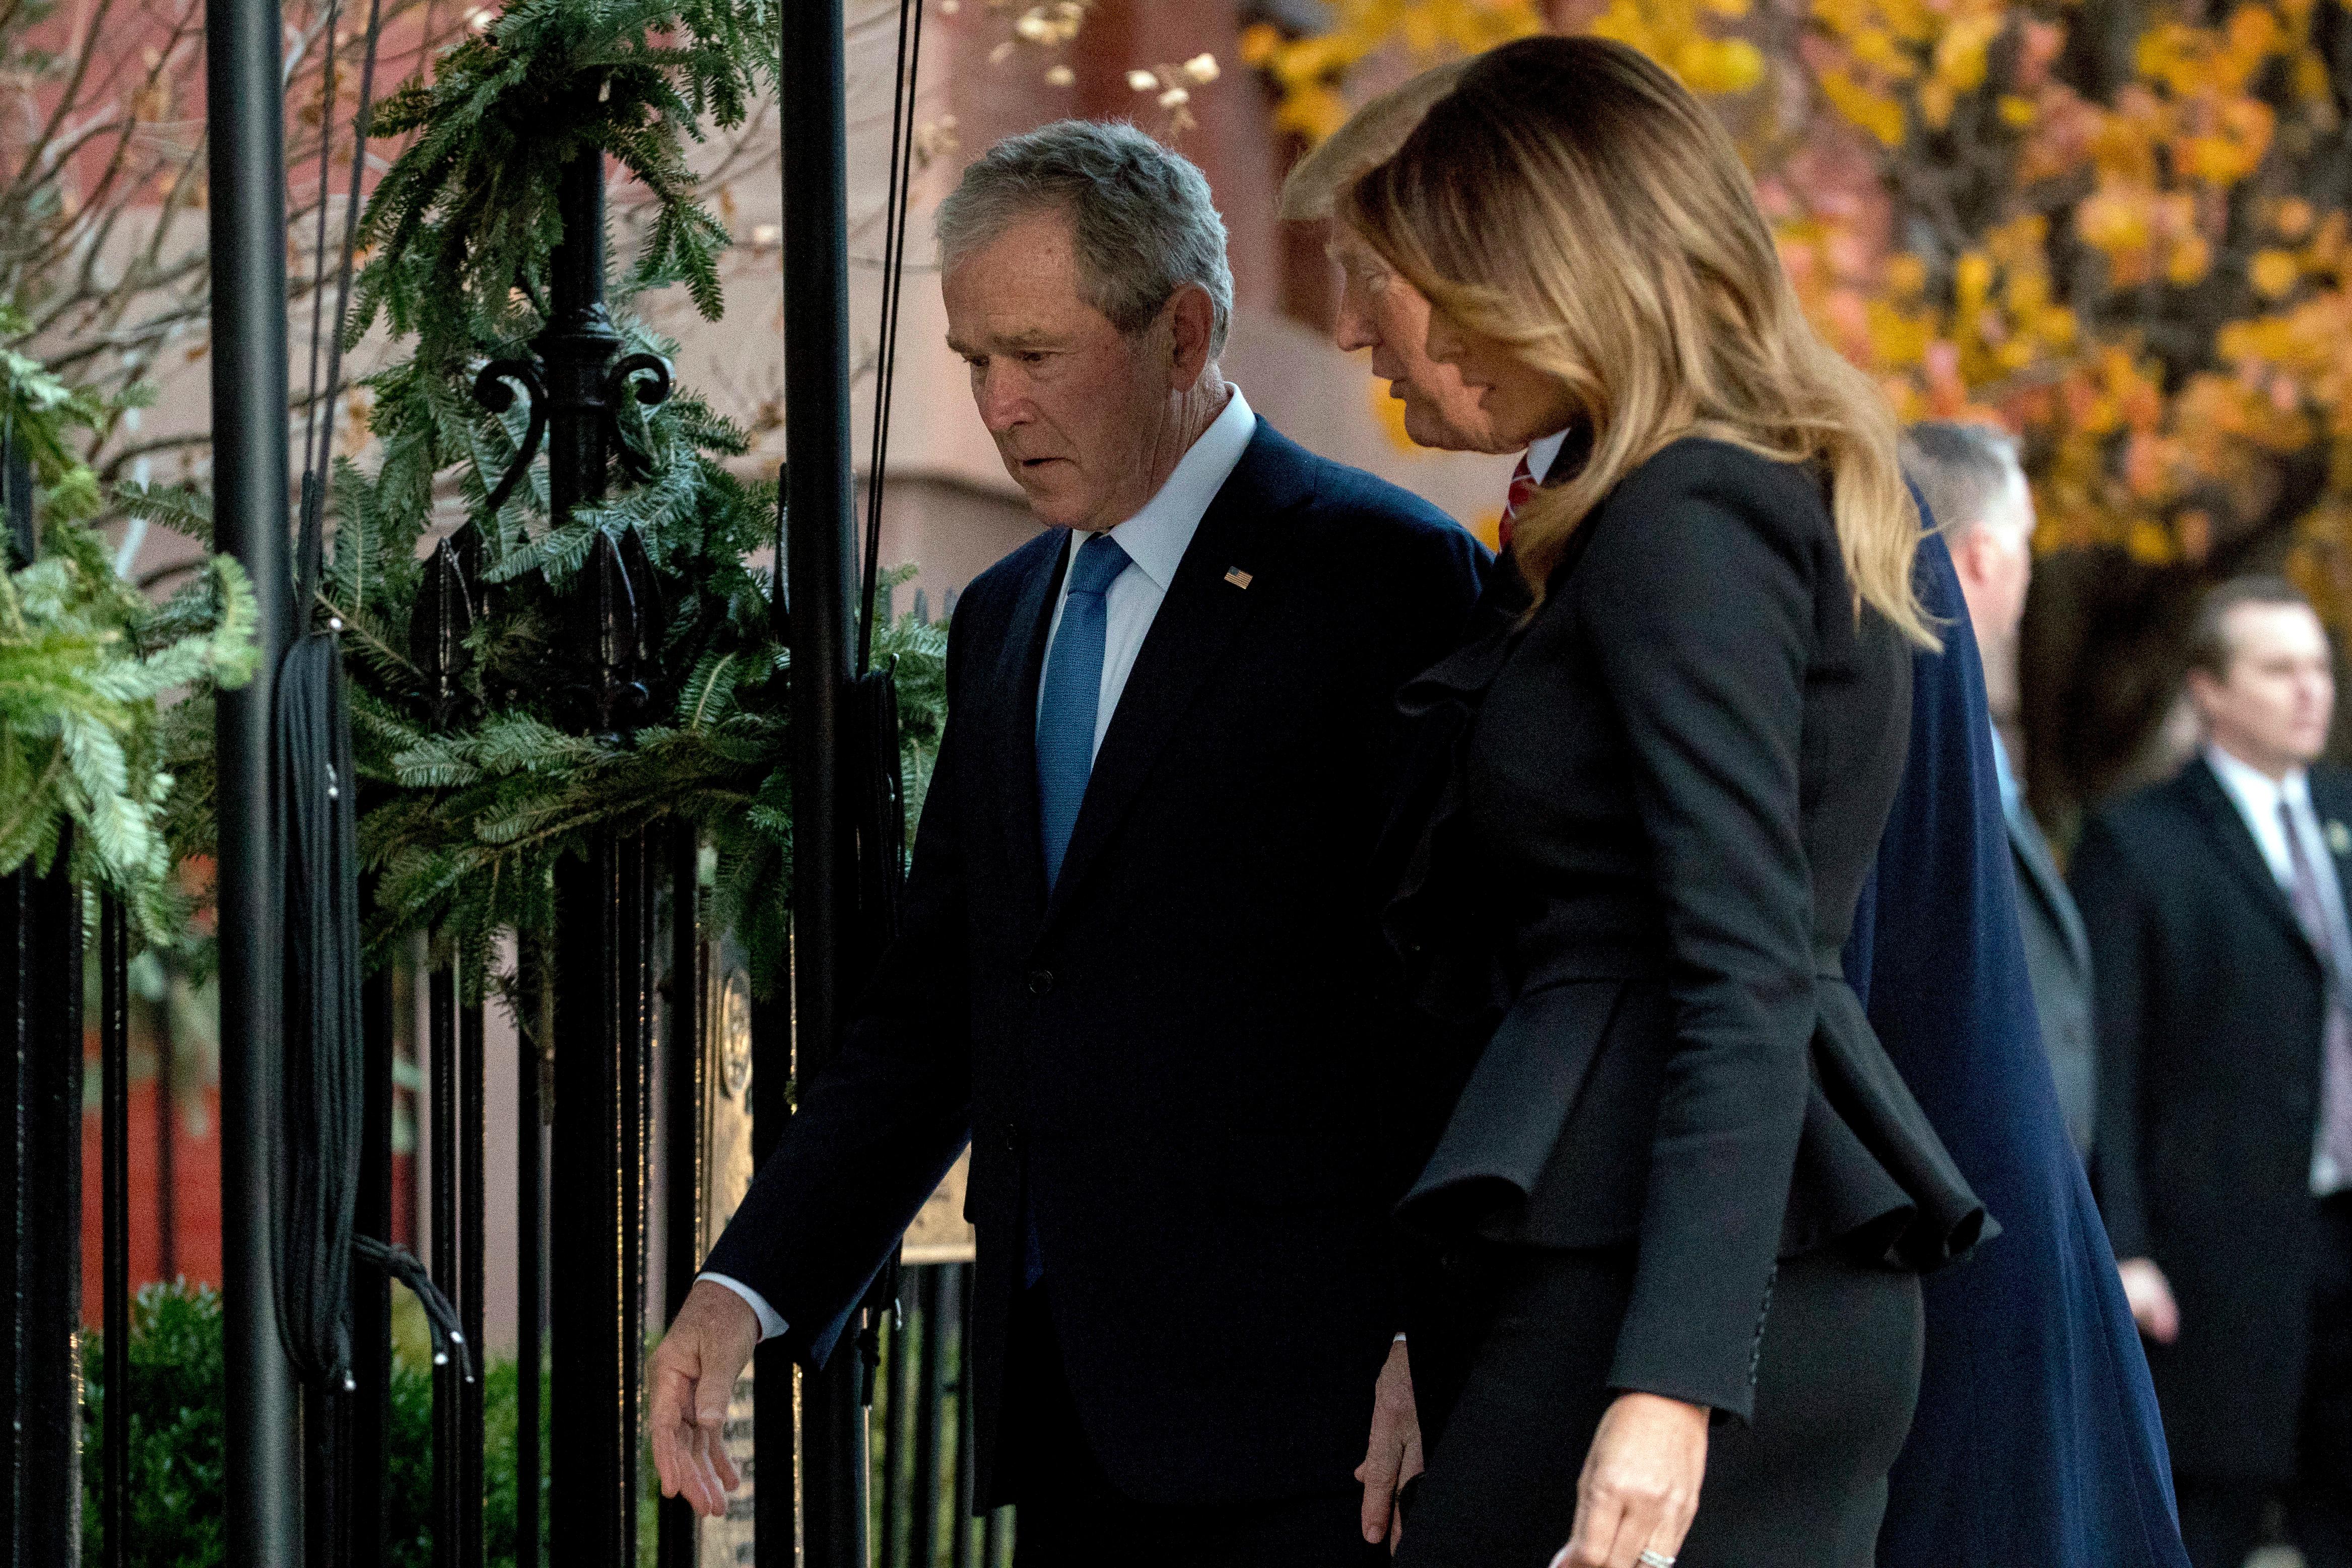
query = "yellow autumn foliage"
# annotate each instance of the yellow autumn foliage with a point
(1923, 162)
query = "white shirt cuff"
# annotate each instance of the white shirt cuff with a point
(771, 1326)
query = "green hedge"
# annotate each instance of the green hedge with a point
(174, 1390)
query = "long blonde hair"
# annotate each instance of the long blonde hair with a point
(1570, 199)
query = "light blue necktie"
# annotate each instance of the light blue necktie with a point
(1070, 698)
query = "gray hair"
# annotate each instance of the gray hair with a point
(1963, 470)
(1144, 222)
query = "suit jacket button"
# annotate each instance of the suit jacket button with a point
(1041, 982)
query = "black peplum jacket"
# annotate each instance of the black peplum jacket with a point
(1646, 811)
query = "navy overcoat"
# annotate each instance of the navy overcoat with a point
(2037, 1439)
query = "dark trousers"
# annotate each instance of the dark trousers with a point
(2222, 1518)
(1511, 1351)
(1070, 1515)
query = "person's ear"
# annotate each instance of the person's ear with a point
(1968, 550)
(2203, 691)
(1193, 328)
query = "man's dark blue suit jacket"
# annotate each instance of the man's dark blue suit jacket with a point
(2037, 1439)
(1179, 1049)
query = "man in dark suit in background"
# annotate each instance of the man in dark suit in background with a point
(1138, 972)
(2216, 908)
(1969, 475)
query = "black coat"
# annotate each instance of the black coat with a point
(1649, 853)
(2210, 1005)
(1184, 1050)
(2058, 958)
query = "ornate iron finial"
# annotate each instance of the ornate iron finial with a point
(437, 625)
(605, 632)
(650, 374)
(653, 611)
(494, 387)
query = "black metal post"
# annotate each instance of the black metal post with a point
(370, 1401)
(930, 1293)
(167, 1124)
(685, 1056)
(775, 1413)
(578, 346)
(822, 584)
(603, 971)
(531, 1065)
(441, 1256)
(955, 1308)
(40, 1185)
(455, 1044)
(598, 1315)
(896, 1418)
(114, 1225)
(244, 101)
(326, 1475)
(967, 1442)
(468, 1301)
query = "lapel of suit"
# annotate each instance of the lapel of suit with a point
(1231, 552)
(1012, 727)
(2228, 825)
(2042, 872)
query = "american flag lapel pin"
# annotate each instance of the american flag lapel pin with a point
(2339, 840)
(1238, 577)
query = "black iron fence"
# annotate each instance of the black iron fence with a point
(871, 1460)
(922, 1476)
(918, 1425)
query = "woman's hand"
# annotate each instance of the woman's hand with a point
(1640, 1486)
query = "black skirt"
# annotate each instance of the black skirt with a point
(1511, 1349)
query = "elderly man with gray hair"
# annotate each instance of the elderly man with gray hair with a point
(1969, 476)
(1138, 973)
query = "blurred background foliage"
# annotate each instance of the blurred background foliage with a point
(2117, 228)
(170, 1387)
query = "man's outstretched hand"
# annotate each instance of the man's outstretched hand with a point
(689, 1379)
(1393, 1455)
(2149, 1295)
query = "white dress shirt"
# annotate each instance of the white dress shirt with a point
(1155, 540)
(2257, 796)
(1544, 451)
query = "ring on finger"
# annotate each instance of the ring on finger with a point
(1655, 1559)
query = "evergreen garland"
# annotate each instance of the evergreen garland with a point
(463, 223)
(466, 812)
(85, 659)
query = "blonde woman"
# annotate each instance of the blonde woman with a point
(1683, 1197)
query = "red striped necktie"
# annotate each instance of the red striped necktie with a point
(1523, 490)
